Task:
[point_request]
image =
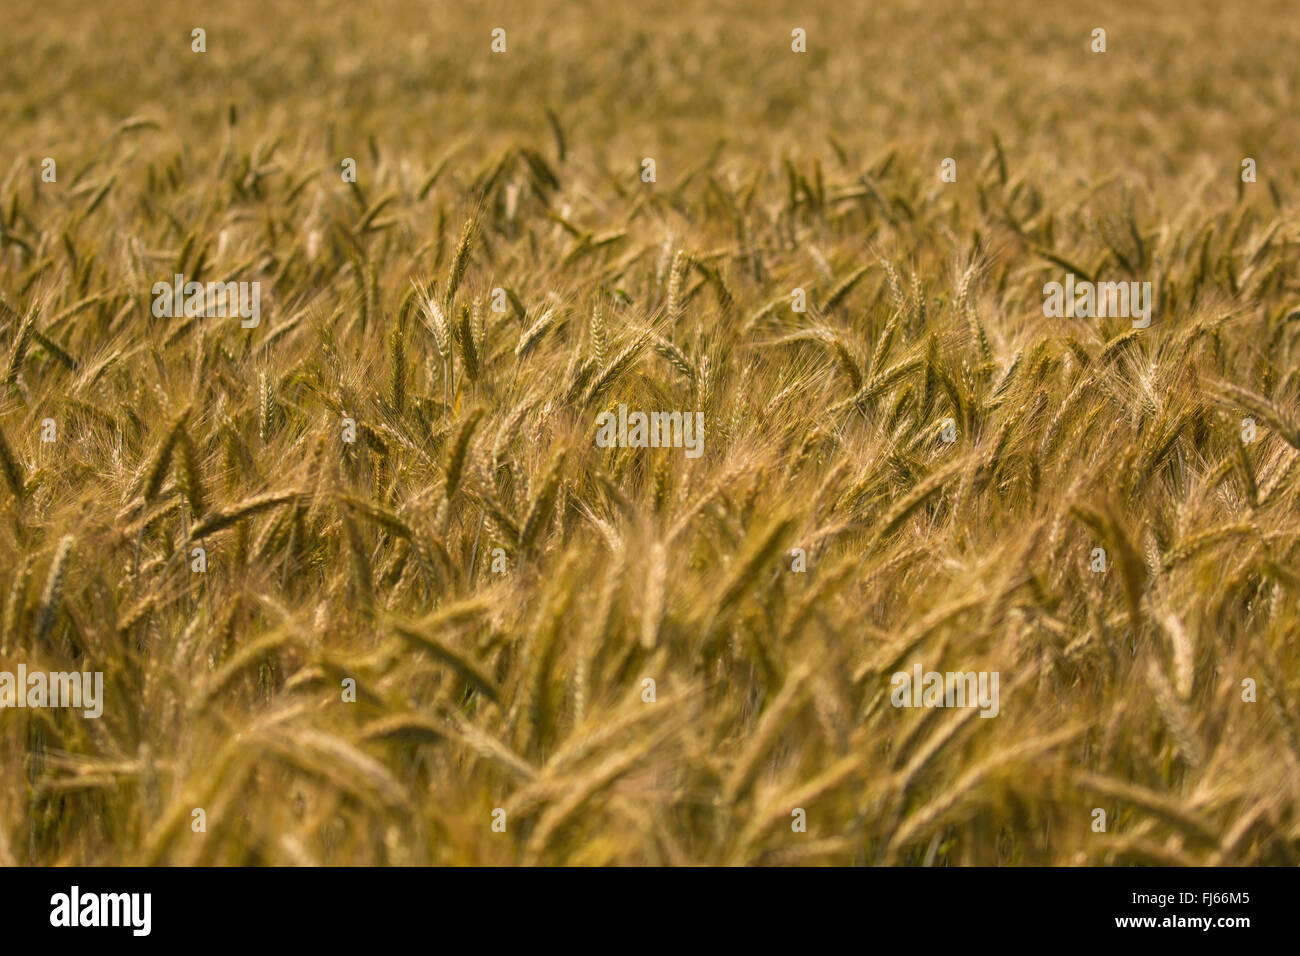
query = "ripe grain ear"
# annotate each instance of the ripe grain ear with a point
(162, 456)
(13, 471)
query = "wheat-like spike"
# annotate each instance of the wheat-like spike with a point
(468, 347)
(21, 342)
(847, 362)
(347, 769)
(480, 331)
(191, 479)
(1174, 714)
(1009, 375)
(1204, 539)
(966, 308)
(918, 303)
(13, 470)
(1184, 654)
(841, 291)
(1059, 420)
(676, 278)
(1117, 345)
(362, 574)
(539, 511)
(1278, 479)
(162, 457)
(460, 261)
(459, 450)
(592, 783)
(529, 339)
(219, 521)
(905, 506)
(413, 728)
(488, 747)
(54, 581)
(777, 809)
(425, 636)
(55, 349)
(676, 358)
(655, 591)
(266, 408)
(895, 284)
(886, 342)
(436, 320)
(1229, 393)
(617, 366)
(745, 572)
(726, 301)
(14, 604)
(704, 382)
(597, 332)
(924, 817)
(776, 717)
(370, 294)
(1176, 812)
(397, 369)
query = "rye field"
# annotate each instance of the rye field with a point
(367, 535)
